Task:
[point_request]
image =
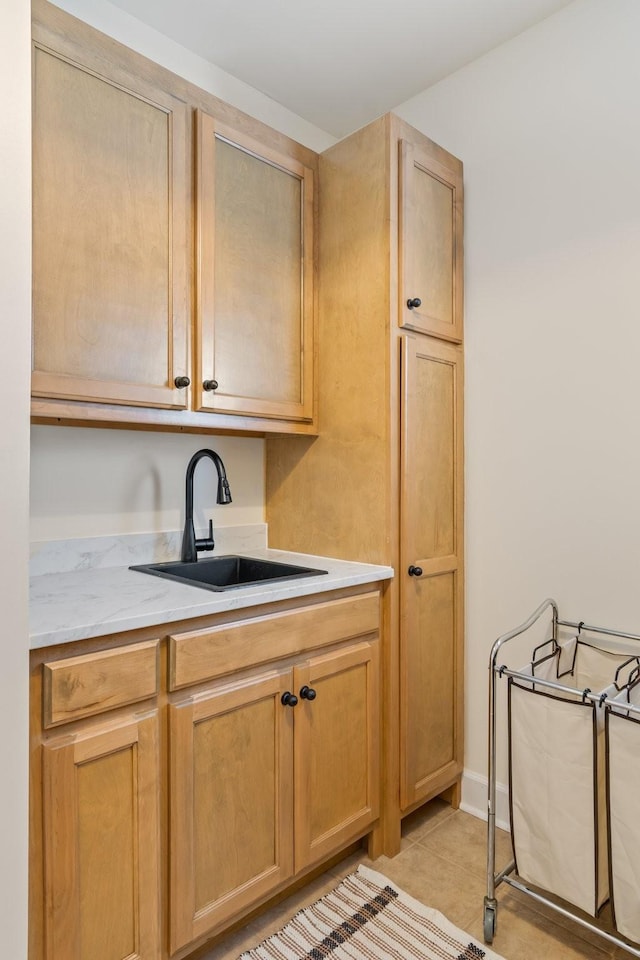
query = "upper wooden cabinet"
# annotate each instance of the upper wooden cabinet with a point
(109, 237)
(430, 243)
(173, 248)
(254, 277)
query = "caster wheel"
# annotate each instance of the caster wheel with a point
(490, 922)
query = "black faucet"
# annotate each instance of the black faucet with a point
(190, 545)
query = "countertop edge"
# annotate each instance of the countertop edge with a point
(85, 605)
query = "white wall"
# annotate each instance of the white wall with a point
(15, 332)
(548, 128)
(96, 482)
(87, 482)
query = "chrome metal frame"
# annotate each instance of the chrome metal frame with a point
(496, 672)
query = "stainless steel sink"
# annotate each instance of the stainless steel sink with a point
(227, 573)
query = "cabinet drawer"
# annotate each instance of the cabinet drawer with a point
(205, 654)
(83, 686)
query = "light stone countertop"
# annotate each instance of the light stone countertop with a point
(78, 604)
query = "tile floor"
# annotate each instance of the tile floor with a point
(442, 862)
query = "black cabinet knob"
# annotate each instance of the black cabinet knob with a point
(414, 302)
(181, 382)
(210, 385)
(414, 571)
(307, 693)
(288, 699)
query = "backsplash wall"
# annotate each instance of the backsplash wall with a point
(97, 482)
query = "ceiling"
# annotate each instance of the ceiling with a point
(340, 63)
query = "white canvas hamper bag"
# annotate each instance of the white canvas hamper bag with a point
(557, 774)
(623, 795)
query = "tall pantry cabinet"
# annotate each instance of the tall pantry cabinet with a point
(383, 481)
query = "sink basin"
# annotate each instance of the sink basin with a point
(227, 573)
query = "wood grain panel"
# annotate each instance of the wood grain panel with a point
(432, 628)
(204, 654)
(255, 276)
(231, 802)
(337, 751)
(343, 725)
(230, 758)
(106, 798)
(430, 251)
(430, 474)
(428, 690)
(101, 830)
(109, 238)
(330, 495)
(148, 418)
(83, 686)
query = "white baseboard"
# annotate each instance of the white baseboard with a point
(474, 798)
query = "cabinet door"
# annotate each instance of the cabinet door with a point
(431, 636)
(231, 802)
(430, 244)
(101, 843)
(337, 749)
(254, 278)
(109, 237)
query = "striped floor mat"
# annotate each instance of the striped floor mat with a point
(367, 917)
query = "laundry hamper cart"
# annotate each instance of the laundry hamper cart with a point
(557, 790)
(557, 772)
(623, 799)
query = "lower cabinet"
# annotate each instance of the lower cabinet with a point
(336, 750)
(102, 842)
(177, 783)
(231, 802)
(269, 775)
